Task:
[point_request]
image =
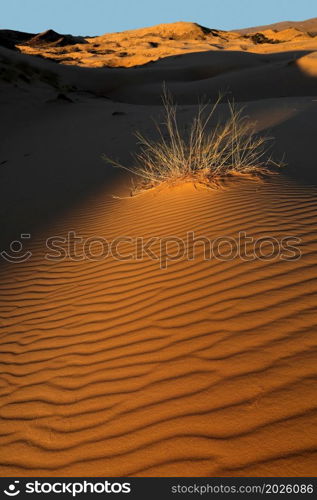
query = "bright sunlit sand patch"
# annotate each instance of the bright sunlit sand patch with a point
(141, 46)
(308, 64)
(122, 368)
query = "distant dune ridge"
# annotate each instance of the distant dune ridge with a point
(140, 46)
(116, 367)
(309, 25)
(52, 38)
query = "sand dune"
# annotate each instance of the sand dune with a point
(190, 77)
(53, 39)
(121, 368)
(117, 367)
(141, 46)
(309, 25)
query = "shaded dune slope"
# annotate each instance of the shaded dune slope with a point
(249, 79)
(191, 77)
(203, 75)
(119, 368)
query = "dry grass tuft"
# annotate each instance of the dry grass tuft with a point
(204, 155)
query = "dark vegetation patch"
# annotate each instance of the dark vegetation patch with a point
(260, 38)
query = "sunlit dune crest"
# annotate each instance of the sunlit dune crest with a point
(140, 46)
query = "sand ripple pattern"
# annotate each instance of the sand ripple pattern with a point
(206, 368)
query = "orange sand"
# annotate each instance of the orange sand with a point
(111, 367)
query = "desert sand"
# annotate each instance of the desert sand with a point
(117, 367)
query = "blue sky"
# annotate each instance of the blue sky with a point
(95, 17)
